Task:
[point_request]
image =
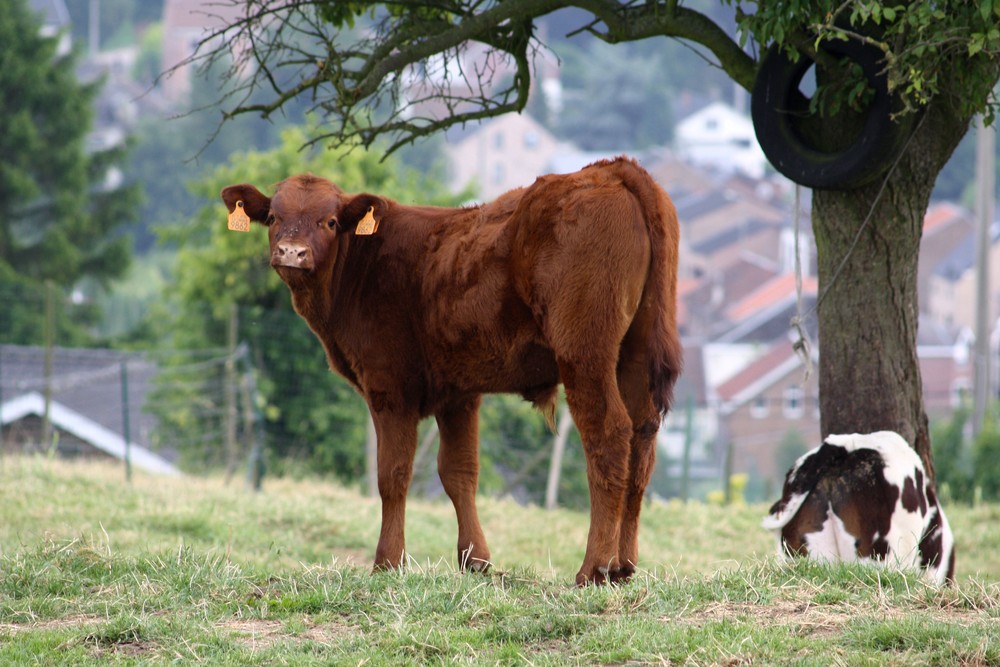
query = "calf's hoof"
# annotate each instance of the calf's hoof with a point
(593, 576)
(471, 559)
(385, 564)
(622, 575)
(598, 576)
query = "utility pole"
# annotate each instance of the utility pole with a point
(371, 459)
(126, 426)
(985, 184)
(50, 317)
(555, 466)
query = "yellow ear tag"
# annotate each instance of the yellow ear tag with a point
(368, 224)
(239, 221)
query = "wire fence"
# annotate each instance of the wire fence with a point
(268, 399)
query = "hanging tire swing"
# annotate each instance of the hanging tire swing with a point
(777, 107)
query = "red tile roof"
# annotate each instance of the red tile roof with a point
(939, 214)
(773, 292)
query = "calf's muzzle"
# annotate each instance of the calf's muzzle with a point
(294, 255)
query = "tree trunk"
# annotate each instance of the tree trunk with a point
(867, 243)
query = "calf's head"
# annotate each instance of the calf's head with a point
(306, 218)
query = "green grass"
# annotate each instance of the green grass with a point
(95, 571)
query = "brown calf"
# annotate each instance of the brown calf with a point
(424, 309)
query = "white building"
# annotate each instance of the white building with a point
(503, 153)
(719, 137)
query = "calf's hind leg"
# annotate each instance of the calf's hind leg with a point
(605, 429)
(458, 466)
(633, 381)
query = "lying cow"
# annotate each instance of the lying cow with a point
(864, 497)
(423, 309)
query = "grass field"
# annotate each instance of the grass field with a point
(97, 571)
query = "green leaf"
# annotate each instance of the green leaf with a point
(985, 9)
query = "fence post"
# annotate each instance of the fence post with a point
(555, 466)
(230, 395)
(688, 442)
(126, 426)
(255, 464)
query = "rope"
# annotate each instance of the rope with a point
(803, 346)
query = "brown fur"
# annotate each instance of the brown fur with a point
(571, 280)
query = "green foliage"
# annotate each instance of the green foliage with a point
(944, 49)
(516, 447)
(952, 464)
(311, 413)
(986, 460)
(967, 471)
(793, 445)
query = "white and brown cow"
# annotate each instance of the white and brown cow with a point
(859, 497)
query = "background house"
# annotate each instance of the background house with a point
(499, 155)
(718, 136)
(97, 400)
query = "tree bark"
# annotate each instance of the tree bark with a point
(868, 241)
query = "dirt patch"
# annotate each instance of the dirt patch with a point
(810, 620)
(819, 620)
(261, 634)
(51, 624)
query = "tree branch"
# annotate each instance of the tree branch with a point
(376, 83)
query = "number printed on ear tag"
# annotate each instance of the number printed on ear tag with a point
(239, 221)
(368, 224)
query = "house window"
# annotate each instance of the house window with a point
(531, 139)
(498, 173)
(792, 402)
(498, 141)
(759, 408)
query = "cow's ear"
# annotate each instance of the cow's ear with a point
(357, 209)
(256, 205)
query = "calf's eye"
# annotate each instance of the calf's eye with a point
(331, 223)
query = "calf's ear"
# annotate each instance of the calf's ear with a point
(255, 204)
(356, 208)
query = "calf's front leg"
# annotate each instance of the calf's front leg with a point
(397, 443)
(458, 467)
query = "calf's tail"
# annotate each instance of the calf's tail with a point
(660, 294)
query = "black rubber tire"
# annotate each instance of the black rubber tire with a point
(776, 102)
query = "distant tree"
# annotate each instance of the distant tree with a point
(172, 152)
(626, 103)
(986, 459)
(117, 20)
(62, 206)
